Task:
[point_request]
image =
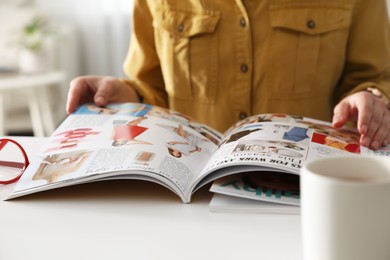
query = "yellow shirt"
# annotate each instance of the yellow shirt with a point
(222, 60)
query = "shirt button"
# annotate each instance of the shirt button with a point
(242, 22)
(244, 68)
(311, 24)
(180, 28)
(243, 115)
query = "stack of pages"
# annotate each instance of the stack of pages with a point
(261, 192)
(224, 203)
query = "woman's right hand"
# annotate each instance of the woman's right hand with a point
(100, 90)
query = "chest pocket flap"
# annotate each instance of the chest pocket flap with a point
(186, 24)
(311, 19)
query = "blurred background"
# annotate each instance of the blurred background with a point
(74, 38)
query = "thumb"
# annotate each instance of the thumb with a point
(102, 94)
(100, 100)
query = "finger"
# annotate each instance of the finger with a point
(386, 141)
(88, 89)
(76, 93)
(104, 91)
(371, 117)
(382, 135)
(365, 108)
(341, 114)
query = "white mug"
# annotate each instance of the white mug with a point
(345, 208)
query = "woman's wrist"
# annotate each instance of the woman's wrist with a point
(377, 93)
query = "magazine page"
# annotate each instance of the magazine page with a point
(126, 140)
(279, 142)
(276, 187)
(220, 204)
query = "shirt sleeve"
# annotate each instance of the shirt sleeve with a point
(368, 50)
(142, 65)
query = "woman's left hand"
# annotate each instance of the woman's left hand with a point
(372, 114)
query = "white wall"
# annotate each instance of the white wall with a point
(103, 31)
(97, 34)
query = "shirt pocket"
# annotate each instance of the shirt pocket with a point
(188, 52)
(308, 40)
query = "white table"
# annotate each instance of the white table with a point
(35, 87)
(136, 220)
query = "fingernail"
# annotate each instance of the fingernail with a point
(336, 121)
(99, 100)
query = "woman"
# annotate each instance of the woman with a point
(220, 61)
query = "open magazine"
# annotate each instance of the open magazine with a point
(140, 141)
